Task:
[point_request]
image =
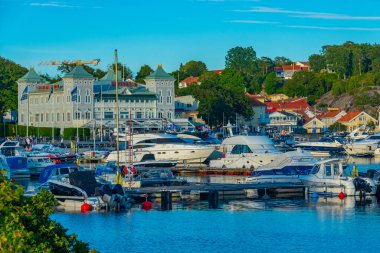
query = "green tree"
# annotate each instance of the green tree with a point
(337, 126)
(144, 71)
(243, 60)
(266, 65)
(317, 62)
(193, 68)
(25, 225)
(10, 72)
(281, 60)
(270, 83)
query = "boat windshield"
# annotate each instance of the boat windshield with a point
(240, 149)
(163, 141)
(315, 169)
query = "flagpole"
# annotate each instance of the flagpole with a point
(102, 113)
(76, 113)
(27, 127)
(52, 118)
(117, 111)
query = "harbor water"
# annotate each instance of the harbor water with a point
(325, 225)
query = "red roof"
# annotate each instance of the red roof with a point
(294, 67)
(296, 105)
(329, 114)
(349, 116)
(190, 80)
(218, 71)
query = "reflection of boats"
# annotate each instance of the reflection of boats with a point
(246, 152)
(323, 145)
(285, 169)
(163, 147)
(366, 147)
(327, 178)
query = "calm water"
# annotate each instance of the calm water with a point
(328, 225)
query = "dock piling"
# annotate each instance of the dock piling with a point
(166, 200)
(213, 199)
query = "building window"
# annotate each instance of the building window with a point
(42, 117)
(63, 117)
(22, 118)
(58, 117)
(68, 116)
(37, 117)
(169, 98)
(77, 115)
(138, 115)
(88, 96)
(108, 115)
(160, 97)
(88, 115)
(68, 97)
(79, 96)
(160, 115)
(169, 115)
(124, 115)
(47, 117)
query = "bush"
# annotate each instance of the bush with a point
(25, 225)
(71, 133)
(19, 130)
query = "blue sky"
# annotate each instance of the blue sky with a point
(171, 32)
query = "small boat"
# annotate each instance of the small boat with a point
(324, 145)
(36, 164)
(365, 147)
(18, 166)
(285, 169)
(68, 180)
(9, 148)
(131, 179)
(327, 178)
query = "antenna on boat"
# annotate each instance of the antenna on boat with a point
(117, 112)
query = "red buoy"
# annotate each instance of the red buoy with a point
(85, 208)
(341, 195)
(146, 205)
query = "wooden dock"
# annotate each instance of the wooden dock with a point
(215, 192)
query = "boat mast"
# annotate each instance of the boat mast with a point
(117, 112)
(130, 136)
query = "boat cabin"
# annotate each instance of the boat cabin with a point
(57, 170)
(9, 148)
(328, 169)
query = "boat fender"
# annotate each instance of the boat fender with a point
(85, 208)
(314, 195)
(341, 195)
(146, 205)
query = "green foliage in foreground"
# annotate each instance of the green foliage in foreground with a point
(25, 225)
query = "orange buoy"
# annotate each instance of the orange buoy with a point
(85, 207)
(146, 205)
(341, 195)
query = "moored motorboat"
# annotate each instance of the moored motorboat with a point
(246, 152)
(365, 147)
(324, 145)
(163, 147)
(328, 178)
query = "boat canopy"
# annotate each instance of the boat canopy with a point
(248, 140)
(53, 169)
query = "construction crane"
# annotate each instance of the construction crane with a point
(76, 62)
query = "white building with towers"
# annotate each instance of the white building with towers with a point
(80, 100)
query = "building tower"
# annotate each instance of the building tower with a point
(77, 111)
(31, 79)
(162, 84)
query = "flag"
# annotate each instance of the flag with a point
(74, 94)
(25, 93)
(51, 91)
(73, 147)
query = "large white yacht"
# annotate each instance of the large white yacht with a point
(164, 147)
(246, 152)
(366, 147)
